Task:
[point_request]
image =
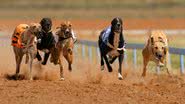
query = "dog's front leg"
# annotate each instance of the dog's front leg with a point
(46, 56)
(121, 56)
(120, 67)
(18, 64)
(18, 58)
(61, 66)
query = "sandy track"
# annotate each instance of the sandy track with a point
(86, 83)
(105, 89)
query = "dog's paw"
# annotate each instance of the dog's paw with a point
(31, 79)
(110, 69)
(43, 63)
(120, 76)
(62, 79)
(45, 50)
(102, 67)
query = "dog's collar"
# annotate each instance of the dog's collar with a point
(46, 32)
(63, 38)
(31, 32)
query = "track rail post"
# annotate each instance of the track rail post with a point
(182, 64)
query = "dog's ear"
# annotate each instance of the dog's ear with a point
(32, 27)
(62, 24)
(70, 25)
(152, 40)
(161, 39)
(26, 27)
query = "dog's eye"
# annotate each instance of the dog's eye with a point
(156, 47)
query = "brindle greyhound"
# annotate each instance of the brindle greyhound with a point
(64, 47)
(24, 42)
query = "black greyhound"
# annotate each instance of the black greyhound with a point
(46, 39)
(107, 44)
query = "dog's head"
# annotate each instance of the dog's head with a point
(116, 25)
(35, 28)
(46, 24)
(65, 30)
(158, 44)
(159, 50)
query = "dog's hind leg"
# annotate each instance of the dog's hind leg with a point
(18, 58)
(30, 66)
(145, 62)
(120, 67)
(102, 62)
(108, 64)
(18, 64)
(101, 54)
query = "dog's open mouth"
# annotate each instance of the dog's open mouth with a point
(117, 30)
(160, 64)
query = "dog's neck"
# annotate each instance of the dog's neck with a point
(114, 39)
(30, 32)
(46, 32)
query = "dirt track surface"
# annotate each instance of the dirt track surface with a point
(156, 90)
(86, 83)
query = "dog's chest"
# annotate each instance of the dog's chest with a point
(116, 40)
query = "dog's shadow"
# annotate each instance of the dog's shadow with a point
(15, 77)
(19, 77)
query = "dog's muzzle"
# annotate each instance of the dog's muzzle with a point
(160, 64)
(118, 28)
(158, 56)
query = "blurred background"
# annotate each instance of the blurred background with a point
(92, 16)
(89, 17)
(91, 9)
